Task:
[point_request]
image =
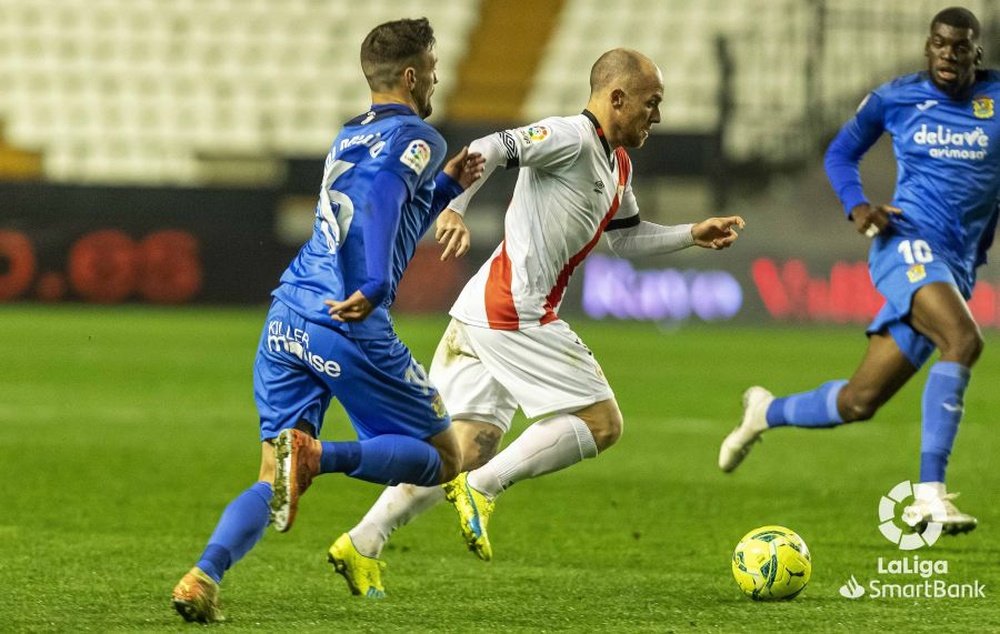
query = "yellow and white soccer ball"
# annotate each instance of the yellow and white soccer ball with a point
(771, 563)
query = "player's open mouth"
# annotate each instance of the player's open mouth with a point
(947, 74)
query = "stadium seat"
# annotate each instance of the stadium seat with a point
(278, 77)
(127, 91)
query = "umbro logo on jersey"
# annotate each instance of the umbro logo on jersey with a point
(368, 117)
(927, 105)
(599, 186)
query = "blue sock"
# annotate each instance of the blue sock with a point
(387, 459)
(241, 526)
(817, 408)
(943, 401)
(340, 457)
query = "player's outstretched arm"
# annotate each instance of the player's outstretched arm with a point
(641, 238)
(717, 233)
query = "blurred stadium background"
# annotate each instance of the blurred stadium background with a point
(169, 151)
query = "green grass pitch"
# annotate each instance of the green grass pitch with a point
(125, 432)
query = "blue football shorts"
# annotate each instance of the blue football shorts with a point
(302, 365)
(900, 266)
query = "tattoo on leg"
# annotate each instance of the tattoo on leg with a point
(486, 444)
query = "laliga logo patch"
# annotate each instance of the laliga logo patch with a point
(534, 134)
(416, 156)
(982, 107)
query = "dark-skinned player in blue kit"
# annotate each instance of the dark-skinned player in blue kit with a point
(328, 333)
(926, 246)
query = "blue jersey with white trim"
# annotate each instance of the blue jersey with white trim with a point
(332, 264)
(948, 162)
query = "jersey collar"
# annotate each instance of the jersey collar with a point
(391, 108)
(380, 111)
(600, 132)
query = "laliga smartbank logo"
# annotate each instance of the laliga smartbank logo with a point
(891, 530)
(912, 577)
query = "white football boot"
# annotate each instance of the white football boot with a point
(931, 496)
(737, 444)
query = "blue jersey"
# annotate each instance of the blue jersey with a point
(948, 154)
(332, 264)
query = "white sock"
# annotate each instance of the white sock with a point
(394, 508)
(546, 446)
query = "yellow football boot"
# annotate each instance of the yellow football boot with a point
(363, 574)
(474, 510)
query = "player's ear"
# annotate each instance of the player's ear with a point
(410, 77)
(617, 98)
(927, 47)
(979, 56)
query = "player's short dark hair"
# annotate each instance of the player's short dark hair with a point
(958, 17)
(391, 47)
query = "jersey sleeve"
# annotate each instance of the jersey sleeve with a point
(548, 144)
(845, 152)
(383, 211)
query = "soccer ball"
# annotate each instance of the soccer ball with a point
(771, 562)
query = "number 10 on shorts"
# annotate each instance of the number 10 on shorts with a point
(915, 251)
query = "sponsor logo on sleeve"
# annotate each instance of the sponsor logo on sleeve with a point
(416, 156)
(982, 107)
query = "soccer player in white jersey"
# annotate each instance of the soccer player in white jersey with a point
(506, 346)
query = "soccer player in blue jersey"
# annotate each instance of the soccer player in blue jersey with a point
(926, 246)
(328, 333)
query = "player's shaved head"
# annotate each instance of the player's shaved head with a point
(617, 67)
(392, 47)
(958, 17)
(626, 89)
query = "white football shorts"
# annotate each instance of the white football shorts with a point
(484, 374)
